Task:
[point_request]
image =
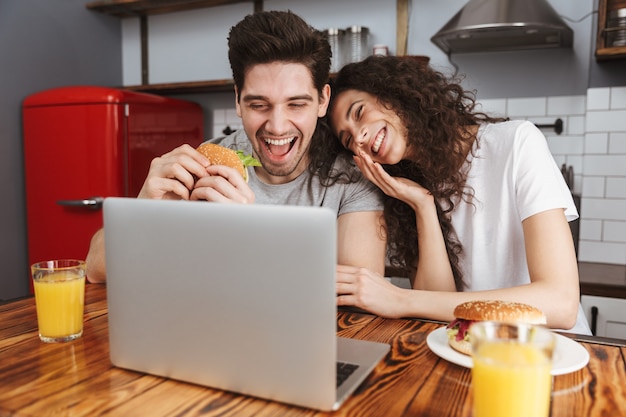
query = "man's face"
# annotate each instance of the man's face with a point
(279, 107)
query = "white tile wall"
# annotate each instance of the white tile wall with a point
(576, 125)
(591, 230)
(618, 98)
(594, 186)
(594, 143)
(603, 208)
(566, 105)
(598, 98)
(605, 165)
(617, 142)
(602, 252)
(524, 107)
(606, 121)
(223, 118)
(614, 231)
(616, 187)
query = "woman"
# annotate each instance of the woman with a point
(502, 202)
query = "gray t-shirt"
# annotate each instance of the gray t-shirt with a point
(306, 190)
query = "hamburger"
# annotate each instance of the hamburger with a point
(487, 310)
(220, 155)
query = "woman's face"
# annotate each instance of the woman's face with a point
(362, 124)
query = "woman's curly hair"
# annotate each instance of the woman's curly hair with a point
(436, 112)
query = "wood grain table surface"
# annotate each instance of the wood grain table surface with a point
(77, 378)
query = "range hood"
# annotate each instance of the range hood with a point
(503, 25)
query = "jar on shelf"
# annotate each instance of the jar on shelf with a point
(616, 28)
(336, 38)
(358, 42)
(380, 50)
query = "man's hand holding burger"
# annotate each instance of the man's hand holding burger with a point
(227, 179)
(187, 174)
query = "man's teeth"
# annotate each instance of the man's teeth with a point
(378, 141)
(279, 142)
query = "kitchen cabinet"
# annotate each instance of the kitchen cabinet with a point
(606, 315)
(605, 50)
(144, 8)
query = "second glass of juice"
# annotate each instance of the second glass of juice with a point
(511, 369)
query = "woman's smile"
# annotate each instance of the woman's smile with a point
(379, 140)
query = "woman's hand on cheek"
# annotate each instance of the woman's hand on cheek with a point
(403, 189)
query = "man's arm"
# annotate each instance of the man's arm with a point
(96, 268)
(361, 240)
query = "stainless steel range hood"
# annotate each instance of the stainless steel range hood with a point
(503, 25)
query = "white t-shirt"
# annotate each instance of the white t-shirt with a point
(514, 176)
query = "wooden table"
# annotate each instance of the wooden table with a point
(77, 379)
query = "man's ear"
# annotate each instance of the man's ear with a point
(237, 106)
(324, 101)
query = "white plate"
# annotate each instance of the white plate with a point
(569, 356)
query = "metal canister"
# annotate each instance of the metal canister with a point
(336, 38)
(358, 37)
(616, 28)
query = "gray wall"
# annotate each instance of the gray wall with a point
(43, 44)
(46, 44)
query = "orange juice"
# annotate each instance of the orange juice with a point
(60, 299)
(511, 379)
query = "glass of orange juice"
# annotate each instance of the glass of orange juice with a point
(60, 298)
(511, 369)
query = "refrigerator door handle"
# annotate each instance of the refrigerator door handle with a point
(93, 203)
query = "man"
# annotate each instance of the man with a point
(281, 68)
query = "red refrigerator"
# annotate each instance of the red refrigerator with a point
(82, 144)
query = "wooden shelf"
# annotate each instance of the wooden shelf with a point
(135, 8)
(603, 51)
(213, 86)
(144, 8)
(615, 52)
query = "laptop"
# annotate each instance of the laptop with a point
(235, 297)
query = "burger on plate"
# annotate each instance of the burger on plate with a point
(487, 310)
(220, 155)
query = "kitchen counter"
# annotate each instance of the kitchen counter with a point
(78, 379)
(603, 280)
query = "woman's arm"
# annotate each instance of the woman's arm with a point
(554, 286)
(433, 265)
(433, 270)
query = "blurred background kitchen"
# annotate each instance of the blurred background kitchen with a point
(576, 93)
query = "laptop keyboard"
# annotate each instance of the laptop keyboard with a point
(344, 370)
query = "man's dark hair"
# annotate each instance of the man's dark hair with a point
(282, 36)
(272, 36)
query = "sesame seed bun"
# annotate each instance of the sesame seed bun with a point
(219, 155)
(504, 311)
(487, 310)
